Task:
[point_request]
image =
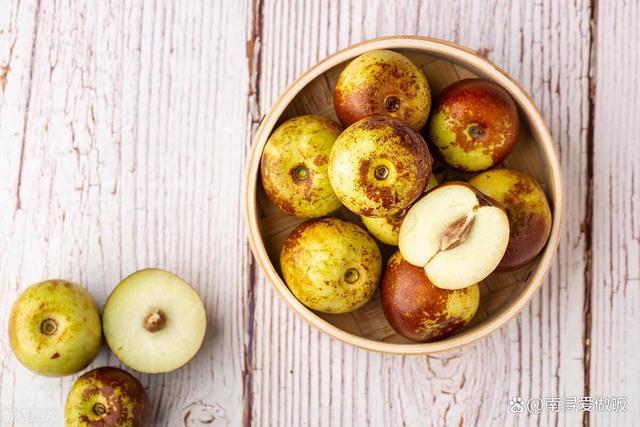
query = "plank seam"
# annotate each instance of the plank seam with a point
(254, 59)
(587, 224)
(27, 107)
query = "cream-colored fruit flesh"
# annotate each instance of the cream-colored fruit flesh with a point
(426, 221)
(168, 348)
(454, 260)
(475, 258)
(387, 229)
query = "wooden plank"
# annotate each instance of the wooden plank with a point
(302, 377)
(92, 100)
(615, 220)
(122, 128)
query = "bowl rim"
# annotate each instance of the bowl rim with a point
(463, 56)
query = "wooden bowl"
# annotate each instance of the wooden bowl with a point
(503, 295)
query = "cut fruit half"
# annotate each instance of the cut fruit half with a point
(154, 321)
(456, 233)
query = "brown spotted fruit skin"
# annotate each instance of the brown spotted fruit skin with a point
(366, 148)
(382, 82)
(122, 399)
(74, 341)
(331, 265)
(293, 166)
(418, 310)
(474, 125)
(527, 209)
(387, 229)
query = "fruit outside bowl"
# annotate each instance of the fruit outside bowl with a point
(502, 295)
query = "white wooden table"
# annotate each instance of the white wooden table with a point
(124, 127)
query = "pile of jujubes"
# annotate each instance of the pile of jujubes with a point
(378, 165)
(153, 321)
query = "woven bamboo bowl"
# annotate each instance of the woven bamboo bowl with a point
(503, 295)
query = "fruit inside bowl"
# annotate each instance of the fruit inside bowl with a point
(464, 199)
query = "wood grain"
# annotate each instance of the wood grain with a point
(302, 377)
(615, 220)
(125, 145)
(124, 128)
